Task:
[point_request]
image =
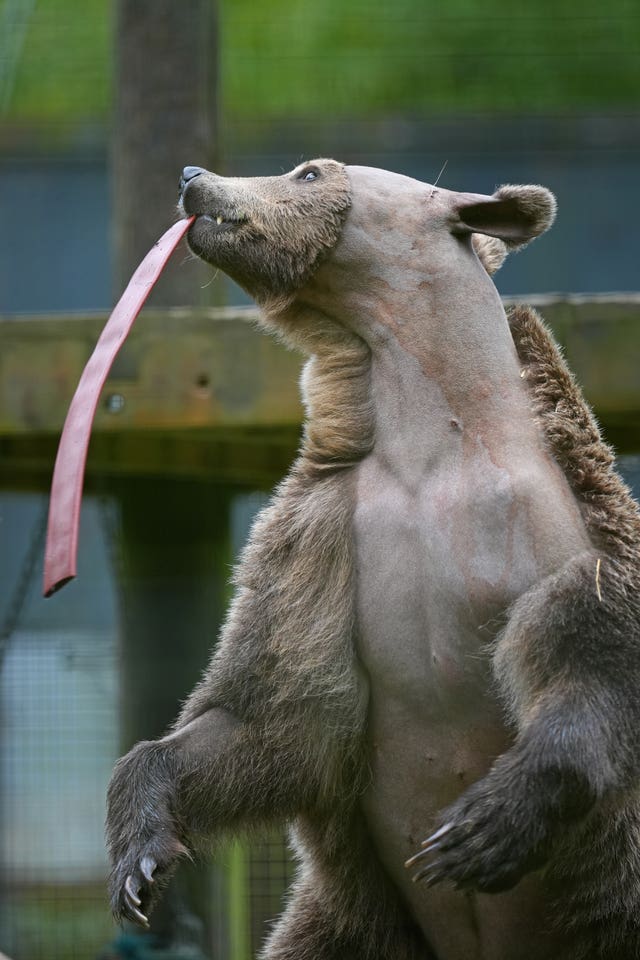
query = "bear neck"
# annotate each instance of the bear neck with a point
(437, 369)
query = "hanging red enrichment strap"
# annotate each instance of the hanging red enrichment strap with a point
(68, 474)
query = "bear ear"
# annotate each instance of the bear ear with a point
(514, 214)
(491, 252)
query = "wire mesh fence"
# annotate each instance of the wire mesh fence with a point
(58, 739)
(270, 870)
(60, 736)
(294, 59)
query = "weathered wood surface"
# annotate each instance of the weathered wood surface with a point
(203, 392)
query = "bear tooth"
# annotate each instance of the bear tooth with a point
(218, 220)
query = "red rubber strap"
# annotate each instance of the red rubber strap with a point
(68, 474)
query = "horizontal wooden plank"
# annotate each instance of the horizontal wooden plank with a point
(178, 370)
(189, 379)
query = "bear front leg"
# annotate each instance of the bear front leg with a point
(504, 825)
(568, 667)
(167, 795)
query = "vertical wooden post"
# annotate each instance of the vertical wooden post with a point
(164, 119)
(171, 531)
(173, 558)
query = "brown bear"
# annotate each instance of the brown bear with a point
(436, 625)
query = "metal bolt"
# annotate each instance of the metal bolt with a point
(115, 403)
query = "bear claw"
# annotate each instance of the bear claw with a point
(147, 866)
(132, 902)
(430, 841)
(420, 855)
(434, 842)
(431, 875)
(132, 892)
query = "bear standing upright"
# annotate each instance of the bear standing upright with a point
(436, 625)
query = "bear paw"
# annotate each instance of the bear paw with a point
(487, 842)
(139, 876)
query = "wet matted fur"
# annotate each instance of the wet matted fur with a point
(591, 639)
(276, 731)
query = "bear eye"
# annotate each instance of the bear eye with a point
(309, 175)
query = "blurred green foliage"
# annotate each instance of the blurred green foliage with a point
(328, 58)
(55, 60)
(416, 56)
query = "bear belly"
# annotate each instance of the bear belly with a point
(412, 778)
(438, 565)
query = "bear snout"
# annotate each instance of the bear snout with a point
(188, 174)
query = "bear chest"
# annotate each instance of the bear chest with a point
(438, 562)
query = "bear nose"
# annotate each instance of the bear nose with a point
(188, 174)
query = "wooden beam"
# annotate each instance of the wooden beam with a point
(203, 392)
(179, 370)
(164, 119)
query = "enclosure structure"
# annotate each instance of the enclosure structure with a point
(164, 515)
(201, 415)
(186, 446)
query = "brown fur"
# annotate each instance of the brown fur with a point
(530, 203)
(595, 868)
(282, 240)
(610, 512)
(339, 422)
(491, 251)
(276, 730)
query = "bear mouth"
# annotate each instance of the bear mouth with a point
(221, 223)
